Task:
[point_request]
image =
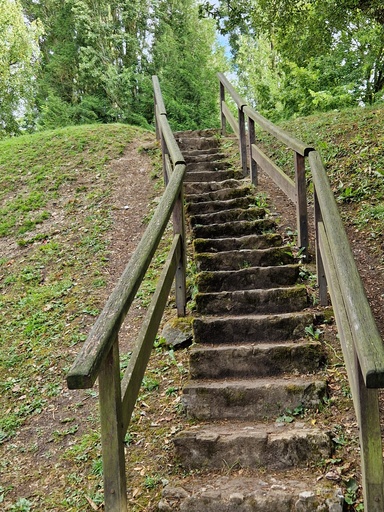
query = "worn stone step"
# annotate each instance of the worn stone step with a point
(232, 215)
(257, 399)
(195, 134)
(207, 155)
(237, 244)
(214, 175)
(209, 166)
(251, 445)
(234, 228)
(258, 360)
(243, 302)
(218, 206)
(188, 142)
(253, 328)
(248, 278)
(211, 186)
(219, 195)
(232, 260)
(263, 492)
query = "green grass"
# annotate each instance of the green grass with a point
(45, 300)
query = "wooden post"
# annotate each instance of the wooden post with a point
(321, 279)
(180, 277)
(371, 447)
(112, 436)
(243, 141)
(164, 152)
(222, 115)
(252, 139)
(301, 203)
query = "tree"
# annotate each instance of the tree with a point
(325, 54)
(186, 59)
(19, 61)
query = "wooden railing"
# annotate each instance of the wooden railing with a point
(99, 357)
(361, 343)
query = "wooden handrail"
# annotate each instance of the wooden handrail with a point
(362, 346)
(295, 190)
(367, 340)
(86, 367)
(99, 356)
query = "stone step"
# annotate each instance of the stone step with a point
(247, 278)
(207, 155)
(196, 134)
(211, 186)
(209, 166)
(273, 446)
(248, 400)
(234, 228)
(261, 360)
(220, 195)
(259, 301)
(252, 328)
(263, 492)
(233, 260)
(237, 244)
(188, 143)
(218, 206)
(232, 215)
(206, 175)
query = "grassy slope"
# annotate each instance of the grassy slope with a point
(52, 223)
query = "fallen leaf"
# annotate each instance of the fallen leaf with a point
(92, 503)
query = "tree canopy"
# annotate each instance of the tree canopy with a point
(19, 54)
(94, 62)
(297, 57)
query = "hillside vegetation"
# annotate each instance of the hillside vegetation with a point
(351, 143)
(56, 241)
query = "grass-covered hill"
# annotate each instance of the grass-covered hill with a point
(58, 243)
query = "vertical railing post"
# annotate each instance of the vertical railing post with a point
(321, 279)
(301, 203)
(112, 436)
(222, 116)
(156, 120)
(180, 277)
(252, 140)
(165, 154)
(371, 449)
(243, 141)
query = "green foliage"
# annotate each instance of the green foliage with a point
(98, 58)
(296, 58)
(19, 62)
(186, 66)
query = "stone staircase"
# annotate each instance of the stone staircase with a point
(251, 362)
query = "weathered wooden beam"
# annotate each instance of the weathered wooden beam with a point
(368, 343)
(87, 364)
(242, 141)
(366, 401)
(278, 176)
(142, 350)
(283, 136)
(321, 279)
(251, 141)
(231, 119)
(112, 437)
(240, 102)
(301, 202)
